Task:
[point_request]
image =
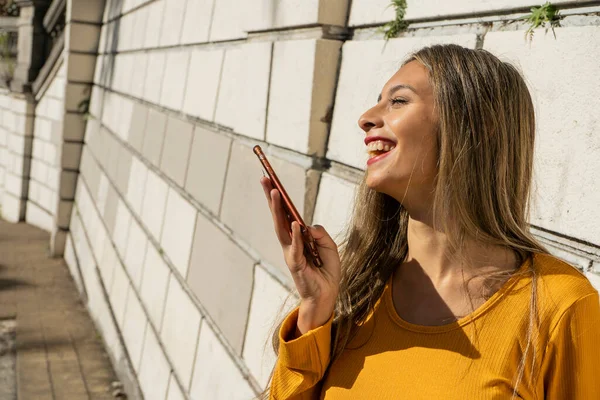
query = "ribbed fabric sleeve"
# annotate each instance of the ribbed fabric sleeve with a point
(572, 358)
(302, 361)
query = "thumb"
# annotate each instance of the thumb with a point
(322, 237)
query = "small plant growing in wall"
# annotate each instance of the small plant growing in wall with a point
(393, 28)
(7, 61)
(545, 15)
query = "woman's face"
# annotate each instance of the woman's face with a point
(405, 121)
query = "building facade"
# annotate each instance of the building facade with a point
(127, 131)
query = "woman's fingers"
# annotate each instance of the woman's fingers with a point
(296, 248)
(322, 237)
(267, 186)
(279, 219)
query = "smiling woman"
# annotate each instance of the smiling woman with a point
(439, 289)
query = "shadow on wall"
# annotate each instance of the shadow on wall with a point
(111, 42)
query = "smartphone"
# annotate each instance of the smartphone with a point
(310, 246)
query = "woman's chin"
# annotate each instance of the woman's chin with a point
(374, 182)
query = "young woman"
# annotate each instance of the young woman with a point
(438, 290)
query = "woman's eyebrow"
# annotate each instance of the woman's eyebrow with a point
(397, 87)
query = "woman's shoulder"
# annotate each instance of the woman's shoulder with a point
(559, 284)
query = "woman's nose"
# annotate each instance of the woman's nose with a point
(369, 120)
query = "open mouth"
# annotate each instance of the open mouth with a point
(379, 147)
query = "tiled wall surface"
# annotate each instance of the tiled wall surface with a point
(170, 238)
(47, 154)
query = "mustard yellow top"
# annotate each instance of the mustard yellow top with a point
(476, 357)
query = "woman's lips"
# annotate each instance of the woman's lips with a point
(377, 158)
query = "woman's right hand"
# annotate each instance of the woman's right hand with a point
(318, 287)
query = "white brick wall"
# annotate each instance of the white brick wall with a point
(196, 21)
(180, 329)
(154, 286)
(567, 148)
(154, 369)
(121, 232)
(334, 204)
(377, 11)
(300, 67)
(203, 83)
(172, 22)
(243, 92)
(136, 188)
(174, 82)
(268, 301)
(242, 100)
(216, 376)
(154, 75)
(134, 329)
(174, 392)
(135, 252)
(178, 231)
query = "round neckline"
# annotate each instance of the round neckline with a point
(467, 319)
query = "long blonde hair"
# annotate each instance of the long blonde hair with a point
(485, 144)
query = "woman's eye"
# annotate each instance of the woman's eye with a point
(398, 100)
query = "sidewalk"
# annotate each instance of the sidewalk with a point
(59, 355)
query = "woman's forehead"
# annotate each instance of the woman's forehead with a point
(413, 74)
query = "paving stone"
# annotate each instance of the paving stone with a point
(50, 319)
(176, 149)
(212, 248)
(210, 152)
(178, 231)
(180, 329)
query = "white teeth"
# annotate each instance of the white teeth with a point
(379, 146)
